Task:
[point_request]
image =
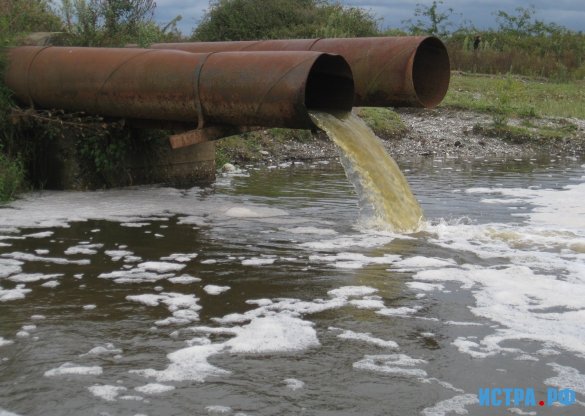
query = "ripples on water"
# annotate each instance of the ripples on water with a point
(261, 296)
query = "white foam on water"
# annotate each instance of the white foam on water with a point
(562, 208)
(401, 311)
(254, 212)
(86, 249)
(135, 224)
(567, 377)
(293, 383)
(32, 277)
(461, 323)
(180, 257)
(51, 284)
(131, 397)
(22, 334)
(529, 305)
(420, 262)
(17, 255)
(41, 252)
(364, 240)
(184, 308)
(353, 260)
(367, 303)
(161, 266)
(367, 338)
(135, 275)
(154, 388)
(4, 342)
(215, 290)
(184, 279)
(399, 364)
(44, 234)
(259, 302)
(187, 364)
(106, 392)
(310, 230)
(19, 292)
(72, 369)
(7, 413)
(117, 255)
(218, 410)
(29, 328)
(9, 267)
(100, 350)
(59, 209)
(209, 261)
(89, 307)
(274, 334)
(256, 261)
(454, 405)
(537, 290)
(272, 328)
(193, 220)
(352, 291)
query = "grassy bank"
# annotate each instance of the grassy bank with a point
(516, 96)
(522, 109)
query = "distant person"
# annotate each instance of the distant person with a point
(476, 42)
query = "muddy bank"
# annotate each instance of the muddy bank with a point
(439, 132)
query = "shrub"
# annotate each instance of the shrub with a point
(233, 20)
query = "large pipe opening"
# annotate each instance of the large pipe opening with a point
(431, 72)
(330, 84)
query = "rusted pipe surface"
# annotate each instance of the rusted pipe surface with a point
(271, 89)
(388, 71)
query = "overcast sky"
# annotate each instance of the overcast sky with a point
(568, 13)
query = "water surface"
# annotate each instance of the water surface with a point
(261, 295)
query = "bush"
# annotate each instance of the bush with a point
(232, 20)
(114, 22)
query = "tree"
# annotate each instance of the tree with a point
(430, 20)
(524, 22)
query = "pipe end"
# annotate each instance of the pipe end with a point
(431, 72)
(330, 84)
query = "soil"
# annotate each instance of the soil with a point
(440, 132)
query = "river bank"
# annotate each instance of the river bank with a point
(441, 132)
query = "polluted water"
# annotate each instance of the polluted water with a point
(385, 198)
(259, 295)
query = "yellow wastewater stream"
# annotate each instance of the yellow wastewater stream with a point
(386, 200)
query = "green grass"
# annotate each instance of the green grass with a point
(516, 96)
(383, 121)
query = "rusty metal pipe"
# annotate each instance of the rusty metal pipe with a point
(270, 89)
(388, 71)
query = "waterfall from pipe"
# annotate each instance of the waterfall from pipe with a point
(385, 199)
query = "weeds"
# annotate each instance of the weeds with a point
(11, 177)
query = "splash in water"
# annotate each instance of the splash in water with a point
(385, 199)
